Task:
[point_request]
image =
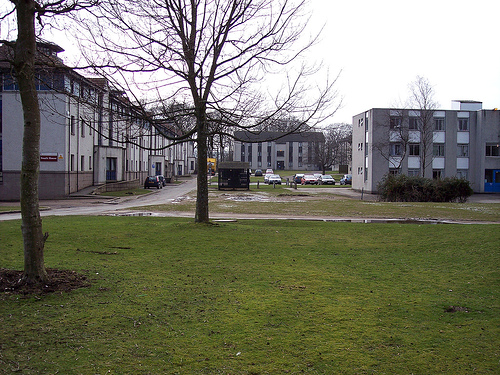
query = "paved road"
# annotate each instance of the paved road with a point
(99, 205)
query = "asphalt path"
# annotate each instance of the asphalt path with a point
(96, 205)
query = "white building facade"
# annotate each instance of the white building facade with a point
(279, 151)
(90, 135)
(462, 142)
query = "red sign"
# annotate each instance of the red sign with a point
(45, 157)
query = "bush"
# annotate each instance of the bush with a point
(402, 188)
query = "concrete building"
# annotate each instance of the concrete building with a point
(461, 142)
(91, 134)
(278, 151)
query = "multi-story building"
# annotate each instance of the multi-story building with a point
(91, 134)
(278, 150)
(462, 142)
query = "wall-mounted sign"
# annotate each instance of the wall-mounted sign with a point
(49, 156)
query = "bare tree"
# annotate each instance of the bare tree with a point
(422, 101)
(409, 129)
(23, 57)
(214, 54)
(334, 151)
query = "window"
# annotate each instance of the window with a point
(9, 83)
(360, 147)
(280, 153)
(463, 173)
(395, 149)
(414, 149)
(463, 124)
(394, 171)
(360, 170)
(72, 125)
(395, 122)
(414, 123)
(463, 151)
(492, 149)
(82, 127)
(437, 174)
(439, 124)
(242, 154)
(438, 149)
(82, 163)
(413, 172)
(72, 165)
(249, 152)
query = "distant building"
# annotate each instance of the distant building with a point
(91, 134)
(277, 150)
(462, 142)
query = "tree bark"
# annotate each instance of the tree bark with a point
(202, 215)
(24, 66)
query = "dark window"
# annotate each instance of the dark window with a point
(439, 124)
(438, 149)
(395, 149)
(414, 123)
(414, 149)
(463, 151)
(395, 122)
(463, 124)
(492, 149)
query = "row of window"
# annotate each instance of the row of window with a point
(436, 173)
(438, 149)
(415, 123)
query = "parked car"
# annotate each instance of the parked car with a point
(258, 172)
(326, 179)
(317, 175)
(269, 171)
(346, 180)
(297, 178)
(162, 179)
(309, 179)
(274, 179)
(153, 181)
(266, 177)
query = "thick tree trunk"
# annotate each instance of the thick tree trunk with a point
(202, 181)
(24, 65)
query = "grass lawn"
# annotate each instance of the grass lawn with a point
(257, 297)
(280, 200)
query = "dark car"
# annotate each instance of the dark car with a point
(258, 172)
(298, 178)
(346, 180)
(153, 181)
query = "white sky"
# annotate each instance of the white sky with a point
(382, 45)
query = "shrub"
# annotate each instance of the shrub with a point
(402, 188)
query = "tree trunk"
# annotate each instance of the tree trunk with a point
(201, 215)
(24, 66)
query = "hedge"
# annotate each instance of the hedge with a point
(402, 188)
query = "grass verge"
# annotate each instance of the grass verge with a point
(292, 203)
(257, 297)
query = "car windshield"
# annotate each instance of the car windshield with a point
(309, 176)
(327, 177)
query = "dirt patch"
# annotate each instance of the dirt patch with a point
(59, 281)
(452, 309)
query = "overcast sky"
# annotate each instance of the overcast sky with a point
(381, 46)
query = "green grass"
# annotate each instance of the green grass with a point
(257, 297)
(279, 200)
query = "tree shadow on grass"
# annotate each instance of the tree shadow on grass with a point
(59, 281)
